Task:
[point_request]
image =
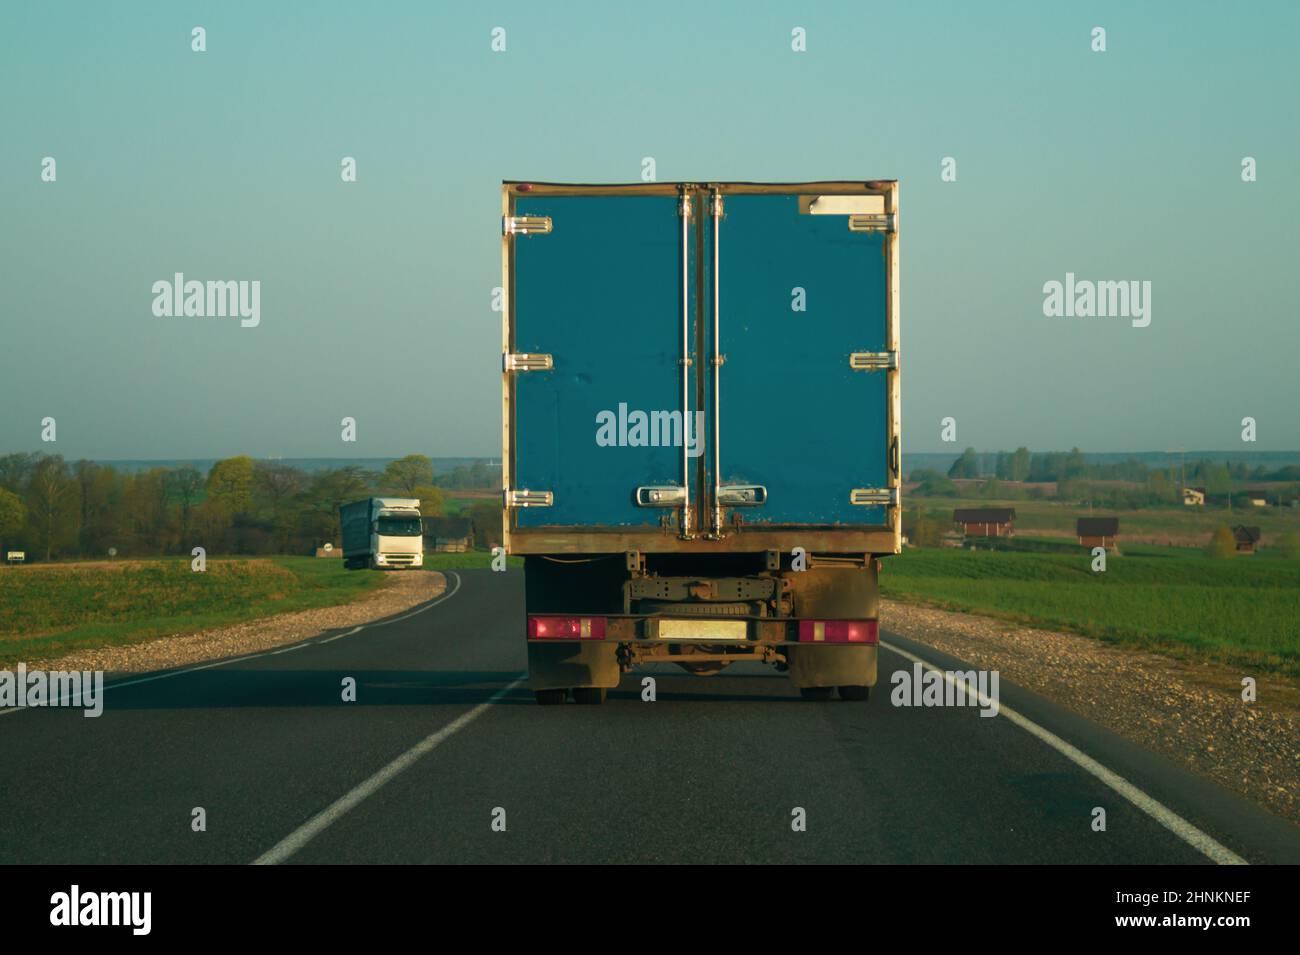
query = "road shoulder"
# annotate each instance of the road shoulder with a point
(1193, 715)
(401, 591)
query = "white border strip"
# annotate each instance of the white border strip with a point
(1157, 810)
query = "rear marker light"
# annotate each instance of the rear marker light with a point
(839, 631)
(566, 628)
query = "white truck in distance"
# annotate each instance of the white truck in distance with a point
(382, 532)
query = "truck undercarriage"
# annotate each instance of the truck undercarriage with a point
(593, 618)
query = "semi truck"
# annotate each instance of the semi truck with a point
(382, 533)
(700, 417)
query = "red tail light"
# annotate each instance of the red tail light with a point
(839, 631)
(566, 628)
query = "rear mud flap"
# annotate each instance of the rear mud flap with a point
(553, 666)
(832, 666)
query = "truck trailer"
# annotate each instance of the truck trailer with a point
(700, 415)
(382, 533)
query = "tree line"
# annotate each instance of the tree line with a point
(52, 508)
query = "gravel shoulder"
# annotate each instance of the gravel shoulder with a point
(401, 591)
(1192, 714)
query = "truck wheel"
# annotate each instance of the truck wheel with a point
(817, 693)
(590, 695)
(549, 697)
(856, 693)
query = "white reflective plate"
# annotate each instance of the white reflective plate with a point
(703, 629)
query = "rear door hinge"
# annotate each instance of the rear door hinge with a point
(529, 498)
(519, 361)
(525, 225)
(873, 360)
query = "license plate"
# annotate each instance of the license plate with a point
(703, 629)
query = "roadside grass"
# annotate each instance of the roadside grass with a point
(49, 610)
(1241, 610)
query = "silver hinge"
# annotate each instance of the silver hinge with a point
(661, 496)
(874, 496)
(874, 222)
(525, 225)
(873, 360)
(742, 495)
(529, 498)
(519, 361)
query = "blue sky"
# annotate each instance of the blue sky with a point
(225, 164)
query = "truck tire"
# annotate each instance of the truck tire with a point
(549, 697)
(589, 695)
(858, 694)
(818, 694)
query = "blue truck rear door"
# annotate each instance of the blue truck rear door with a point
(601, 293)
(799, 294)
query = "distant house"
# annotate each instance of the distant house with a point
(447, 534)
(1247, 538)
(1257, 498)
(985, 521)
(1097, 531)
(1194, 496)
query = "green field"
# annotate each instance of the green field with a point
(1242, 610)
(1178, 526)
(53, 609)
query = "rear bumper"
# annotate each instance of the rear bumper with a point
(632, 641)
(737, 631)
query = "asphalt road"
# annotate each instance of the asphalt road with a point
(442, 740)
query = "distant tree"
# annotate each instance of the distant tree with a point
(938, 486)
(408, 473)
(101, 489)
(145, 506)
(966, 466)
(183, 484)
(13, 514)
(486, 517)
(275, 483)
(1222, 544)
(230, 484)
(52, 504)
(1020, 464)
(331, 489)
(925, 531)
(16, 471)
(432, 501)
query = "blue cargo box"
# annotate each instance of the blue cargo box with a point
(700, 367)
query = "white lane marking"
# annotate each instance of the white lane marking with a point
(340, 636)
(1157, 810)
(254, 656)
(288, 649)
(318, 823)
